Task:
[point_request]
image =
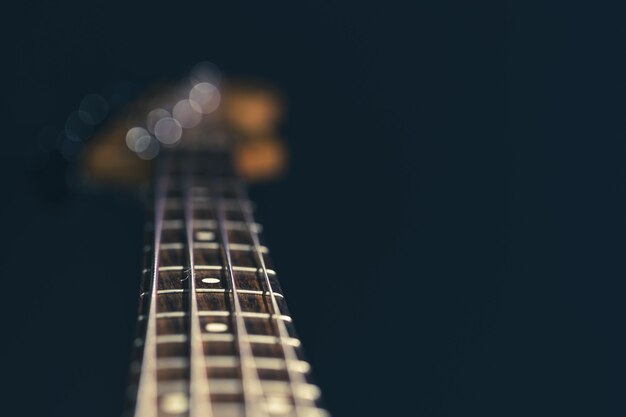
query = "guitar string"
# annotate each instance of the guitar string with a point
(250, 380)
(200, 401)
(289, 352)
(147, 392)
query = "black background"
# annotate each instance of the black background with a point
(450, 237)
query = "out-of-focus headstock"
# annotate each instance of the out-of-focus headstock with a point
(249, 111)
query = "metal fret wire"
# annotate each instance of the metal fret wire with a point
(250, 380)
(200, 401)
(147, 393)
(289, 352)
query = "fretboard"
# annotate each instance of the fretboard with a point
(214, 335)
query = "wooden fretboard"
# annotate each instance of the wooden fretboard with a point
(214, 335)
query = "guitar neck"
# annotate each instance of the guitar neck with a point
(214, 335)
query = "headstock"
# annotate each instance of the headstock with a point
(243, 114)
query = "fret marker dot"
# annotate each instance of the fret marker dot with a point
(216, 327)
(205, 235)
(210, 280)
(174, 403)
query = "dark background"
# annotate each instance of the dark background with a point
(450, 237)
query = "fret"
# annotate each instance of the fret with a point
(177, 369)
(209, 290)
(272, 364)
(177, 224)
(213, 278)
(221, 337)
(175, 345)
(233, 386)
(174, 203)
(175, 380)
(253, 325)
(174, 314)
(205, 186)
(217, 302)
(208, 245)
(217, 347)
(175, 235)
(209, 268)
(225, 408)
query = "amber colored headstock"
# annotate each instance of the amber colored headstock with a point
(250, 111)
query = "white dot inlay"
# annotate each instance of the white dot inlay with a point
(216, 327)
(174, 403)
(210, 280)
(205, 235)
